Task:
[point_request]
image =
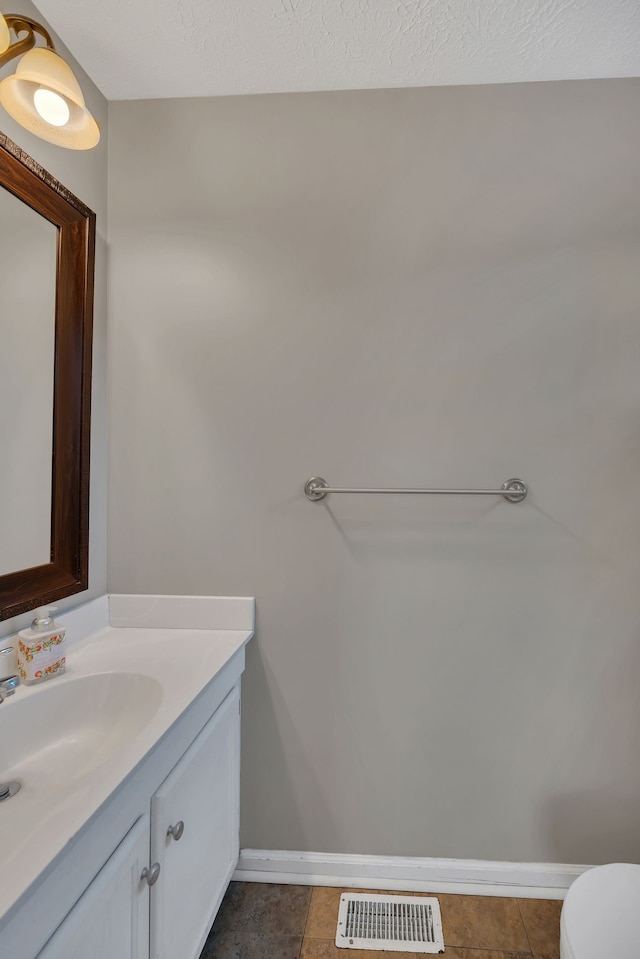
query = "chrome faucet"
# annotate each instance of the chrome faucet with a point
(7, 683)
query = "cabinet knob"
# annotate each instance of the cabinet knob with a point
(177, 830)
(151, 873)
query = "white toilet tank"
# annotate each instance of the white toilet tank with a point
(600, 917)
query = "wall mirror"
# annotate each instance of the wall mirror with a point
(47, 243)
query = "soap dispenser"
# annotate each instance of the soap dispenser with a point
(41, 648)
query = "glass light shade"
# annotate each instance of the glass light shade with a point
(42, 68)
(5, 36)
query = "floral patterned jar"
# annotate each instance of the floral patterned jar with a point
(41, 648)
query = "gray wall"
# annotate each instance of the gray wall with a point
(85, 173)
(436, 286)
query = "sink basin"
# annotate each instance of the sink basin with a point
(63, 730)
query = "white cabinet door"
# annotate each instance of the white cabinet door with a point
(111, 918)
(203, 792)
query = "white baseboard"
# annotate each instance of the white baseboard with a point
(465, 876)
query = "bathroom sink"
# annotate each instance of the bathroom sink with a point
(59, 732)
(81, 753)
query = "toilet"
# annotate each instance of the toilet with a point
(600, 916)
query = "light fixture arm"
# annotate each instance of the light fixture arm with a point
(21, 24)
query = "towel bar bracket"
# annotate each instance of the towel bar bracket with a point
(315, 488)
(515, 490)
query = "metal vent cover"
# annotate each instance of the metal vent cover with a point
(392, 923)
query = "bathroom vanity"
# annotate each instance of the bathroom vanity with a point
(124, 834)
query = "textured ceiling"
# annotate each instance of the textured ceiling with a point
(177, 48)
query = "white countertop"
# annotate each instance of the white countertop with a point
(42, 819)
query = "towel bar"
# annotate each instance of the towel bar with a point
(514, 490)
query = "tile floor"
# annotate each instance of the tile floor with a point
(265, 921)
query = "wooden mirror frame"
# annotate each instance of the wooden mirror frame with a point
(68, 569)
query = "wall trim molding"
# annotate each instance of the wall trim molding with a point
(467, 876)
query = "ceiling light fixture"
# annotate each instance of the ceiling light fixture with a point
(43, 95)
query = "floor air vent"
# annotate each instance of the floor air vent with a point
(393, 923)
